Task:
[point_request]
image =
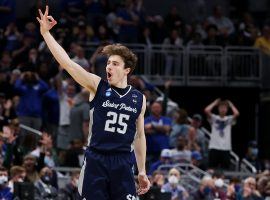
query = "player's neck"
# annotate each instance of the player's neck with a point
(121, 84)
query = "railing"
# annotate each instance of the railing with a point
(197, 65)
(246, 166)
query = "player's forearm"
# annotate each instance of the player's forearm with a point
(140, 152)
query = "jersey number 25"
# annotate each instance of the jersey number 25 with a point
(115, 118)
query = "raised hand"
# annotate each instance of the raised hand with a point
(46, 22)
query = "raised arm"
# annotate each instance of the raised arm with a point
(140, 152)
(234, 109)
(85, 79)
(209, 108)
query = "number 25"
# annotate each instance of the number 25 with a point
(109, 125)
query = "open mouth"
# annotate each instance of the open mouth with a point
(109, 75)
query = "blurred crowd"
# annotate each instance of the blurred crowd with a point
(37, 93)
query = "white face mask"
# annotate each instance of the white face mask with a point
(173, 180)
(76, 182)
(219, 183)
(3, 180)
(20, 180)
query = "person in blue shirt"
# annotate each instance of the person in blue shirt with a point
(30, 88)
(5, 191)
(157, 129)
(165, 158)
(116, 125)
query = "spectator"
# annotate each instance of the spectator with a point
(212, 36)
(192, 143)
(252, 155)
(173, 20)
(128, 21)
(7, 112)
(43, 188)
(170, 48)
(196, 160)
(181, 154)
(17, 175)
(224, 25)
(66, 98)
(220, 142)
(250, 191)
(82, 33)
(165, 158)
(7, 12)
(263, 42)
(79, 117)
(180, 128)
(74, 155)
(218, 190)
(30, 88)
(13, 37)
(70, 191)
(173, 186)
(205, 190)
(98, 61)
(102, 35)
(196, 123)
(5, 191)
(158, 179)
(157, 128)
(145, 37)
(51, 108)
(30, 165)
(158, 29)
(80, 58)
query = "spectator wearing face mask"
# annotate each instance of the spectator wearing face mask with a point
(205, 191)
(252, 155)
(43, 188)
(218, 191)
(70, 191)
(5, 191)
(173, 186)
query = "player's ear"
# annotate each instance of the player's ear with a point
(127, 70)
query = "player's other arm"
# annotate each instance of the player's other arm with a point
(140, 152)
(85, 79)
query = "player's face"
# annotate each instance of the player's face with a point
(116, 72)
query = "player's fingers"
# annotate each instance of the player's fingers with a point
(46, 11)
(50, 18)
(40, 14)
(38, 19)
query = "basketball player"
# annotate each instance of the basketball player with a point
(116, 123)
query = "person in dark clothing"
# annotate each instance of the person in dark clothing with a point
(70, 191)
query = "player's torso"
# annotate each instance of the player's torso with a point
(113, 119)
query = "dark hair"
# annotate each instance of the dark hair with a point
(3, 169)
(130, 59)
(183, 117)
